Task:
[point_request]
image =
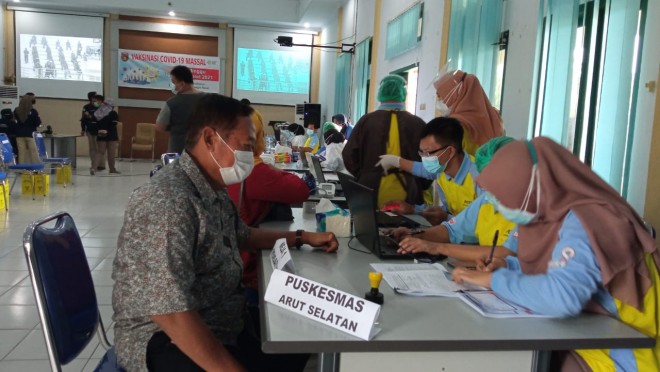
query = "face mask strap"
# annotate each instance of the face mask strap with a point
(535, 177)
(223, 141)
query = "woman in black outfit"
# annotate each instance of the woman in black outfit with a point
(27, 121)
(106, 118)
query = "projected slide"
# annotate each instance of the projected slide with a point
(60, 57)
(274, 71)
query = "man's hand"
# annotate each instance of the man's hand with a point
(485, 266)
(415, 245)
(435, 215)
(397, 233)
(479, 278)
(326, 240)
(388, 162)
(398, 207)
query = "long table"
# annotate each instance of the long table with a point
(422, 333)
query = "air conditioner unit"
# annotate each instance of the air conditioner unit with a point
(308, 113)
(8, 96)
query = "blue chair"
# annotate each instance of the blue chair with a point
(10, 165)
(43, 154)
(168, 157)
(64, 290)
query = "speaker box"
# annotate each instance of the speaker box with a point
(312, 115)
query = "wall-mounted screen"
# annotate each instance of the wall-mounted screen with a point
(267, 73)
(58, 55)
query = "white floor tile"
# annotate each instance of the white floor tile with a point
(105, 265)
(13, 264)
(102, 278)
(76, 365)
(12, 277)
(18, 317)
(34, 347)
(18, 296)
(91, 364)
(103, 295)
(9, 339)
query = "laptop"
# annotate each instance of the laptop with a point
(317, 172)
(383, 219)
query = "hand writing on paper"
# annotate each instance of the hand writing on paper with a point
(461, 276)
(326, 240)
(482, 263)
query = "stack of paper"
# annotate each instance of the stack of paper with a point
(489, 304)
(421, 279)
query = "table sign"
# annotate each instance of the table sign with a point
(324, 304)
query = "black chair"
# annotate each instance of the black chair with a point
(64, 290)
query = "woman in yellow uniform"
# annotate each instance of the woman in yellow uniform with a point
(581, 246)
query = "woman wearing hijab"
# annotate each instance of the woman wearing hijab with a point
(265, 195)
(107, 139)
(461, 96)
(580, 247)
(334, 145)
(27, 121)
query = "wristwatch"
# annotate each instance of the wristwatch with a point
(299, 241)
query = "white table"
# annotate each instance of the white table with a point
(422, 333)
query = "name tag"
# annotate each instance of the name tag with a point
(324, 304)
(280, 257)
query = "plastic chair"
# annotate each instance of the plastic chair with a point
(43, 154)
(64, 290)
(144, 139)
(19, 169)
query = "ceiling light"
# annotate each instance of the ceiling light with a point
(171, 13)
(306, 24)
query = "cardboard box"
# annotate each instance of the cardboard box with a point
(41, 184)
(63, 175)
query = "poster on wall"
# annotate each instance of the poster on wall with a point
(151, 70)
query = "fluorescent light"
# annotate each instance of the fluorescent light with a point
(171, 13)
(306, 24)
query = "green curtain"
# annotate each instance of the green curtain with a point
(402, 32)
(342, 83)
(361, 80)
(474, 31)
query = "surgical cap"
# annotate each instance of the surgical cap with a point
(488, 149)
(392, 88)
(327, 126)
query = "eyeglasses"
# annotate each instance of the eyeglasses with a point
(430, 153)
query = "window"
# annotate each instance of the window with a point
(362, 71)
(404, 32)
(343, 83)
(411, 74)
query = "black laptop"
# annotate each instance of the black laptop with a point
(383, 219)
(317, 172)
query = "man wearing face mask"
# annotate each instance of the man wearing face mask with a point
(174, 114)
(443, 160)
(178, 301)
(312, 143)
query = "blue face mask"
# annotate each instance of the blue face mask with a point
(432, 163)
(519, 216)
(310, 132)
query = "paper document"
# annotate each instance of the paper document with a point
(489, 304)
(421, 279)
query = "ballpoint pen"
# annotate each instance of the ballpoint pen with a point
(492, 249)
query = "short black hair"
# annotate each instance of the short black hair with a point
(296, 129)
(333, 136)
(341, 118)
(99, 97)
(182, 73)
(216, 111)
(446, 131)
(91, 95)
(246, 101)
(30, 94)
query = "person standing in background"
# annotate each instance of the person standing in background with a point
(173, 117)
(27, 121)
(343, 123)
(89, 128)
(107, 118)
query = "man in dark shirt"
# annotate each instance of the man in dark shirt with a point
(177, 297)
(89, 128)
(173, 117)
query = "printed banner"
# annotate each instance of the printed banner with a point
(151, 70)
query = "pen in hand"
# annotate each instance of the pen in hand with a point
(492, 249)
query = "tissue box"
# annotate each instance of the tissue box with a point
(330, 218)
(283, 157)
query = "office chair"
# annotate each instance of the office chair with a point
(64, 290)
(19, 169)
(47, 160)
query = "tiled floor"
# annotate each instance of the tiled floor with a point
(97, 206)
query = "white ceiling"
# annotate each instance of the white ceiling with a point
(283, 13)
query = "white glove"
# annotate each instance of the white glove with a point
(388, 162)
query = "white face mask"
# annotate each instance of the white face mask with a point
(237, 173)
(442, 107)
(173, 88)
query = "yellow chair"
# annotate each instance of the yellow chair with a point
(144, 139)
